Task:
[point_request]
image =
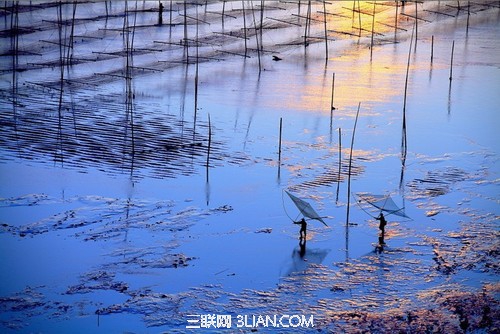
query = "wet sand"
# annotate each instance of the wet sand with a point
(111, 220)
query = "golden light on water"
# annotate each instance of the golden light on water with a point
(365, 71)
(359, 76)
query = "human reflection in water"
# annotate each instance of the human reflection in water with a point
(380, 247)
(302, 247)
(303, 257)
(381, 243)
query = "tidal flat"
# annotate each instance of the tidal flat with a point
(145, 154)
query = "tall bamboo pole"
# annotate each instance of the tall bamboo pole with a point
(326, 31)
(350, 166)
(404, 143)
(340, 165)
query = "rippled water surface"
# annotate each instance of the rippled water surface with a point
(142, 177)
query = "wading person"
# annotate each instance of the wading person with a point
(382, 224)
(303, 228)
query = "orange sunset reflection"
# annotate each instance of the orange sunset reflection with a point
(362, 73)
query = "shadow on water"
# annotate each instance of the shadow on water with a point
(303, 258)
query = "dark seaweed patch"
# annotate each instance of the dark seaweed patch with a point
(98, 280)
(30, 302)
(101, 218)
(27, 300)
(474, 247)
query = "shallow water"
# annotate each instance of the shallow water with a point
(111, 221)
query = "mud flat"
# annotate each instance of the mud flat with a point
(143, 165)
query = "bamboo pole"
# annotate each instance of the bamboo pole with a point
(261, 32)
(451, 61)
(349, 170)
(332, 108)
(308, 22)
(244, 26)
(160, 13)
(279, 143)
(359, 18)
(468, 16)
(185, 21)
(69, 56)
(373, 27)
(14, 26)
(196, 77)
(340, 165)
(133, 30)
(170, 14)
(223, 12)
(333, 90)
(353, 11)
(61, 59)
(209, 144)
(432, 48)
(125, 19)
(451, 77)
(326, 31)
(396, 21)
(256, 39)
(416, 22)
(404, 144)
